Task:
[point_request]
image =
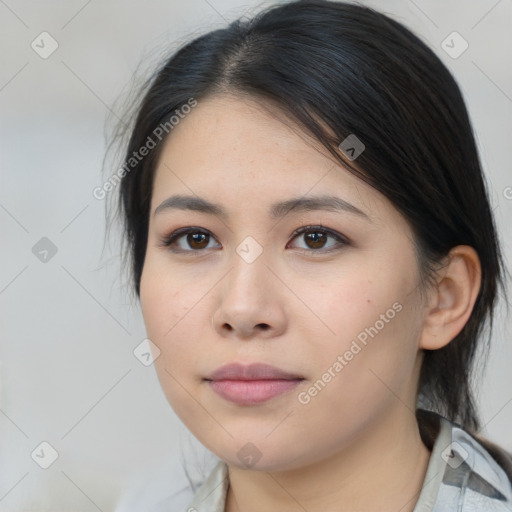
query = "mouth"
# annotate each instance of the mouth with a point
(251, 384)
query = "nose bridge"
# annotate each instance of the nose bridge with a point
(249, 271)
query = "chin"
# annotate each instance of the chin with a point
(261, 455)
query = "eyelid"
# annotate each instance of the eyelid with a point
(167, 240)
(319, 227)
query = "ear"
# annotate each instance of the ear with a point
(451, 301)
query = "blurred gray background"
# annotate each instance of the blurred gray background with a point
(68, 374)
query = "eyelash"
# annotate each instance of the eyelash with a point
(169, 240)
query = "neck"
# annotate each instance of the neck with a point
(383, 470)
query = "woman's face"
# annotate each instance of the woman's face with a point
(344, 314)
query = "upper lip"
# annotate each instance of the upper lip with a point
(255, 371)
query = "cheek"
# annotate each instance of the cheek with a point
(354, 301)
(167, 318)
(365, 369)
(154, 304)
(372, 323)
(164, 310)
(162, 296)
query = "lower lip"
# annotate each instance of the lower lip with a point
(247, 392)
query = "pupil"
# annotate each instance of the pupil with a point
(195, 239)
(317, 239)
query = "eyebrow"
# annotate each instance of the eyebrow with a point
(276, 211)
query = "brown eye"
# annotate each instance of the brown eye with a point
(197, 240)
(316, 239)
(187, 240)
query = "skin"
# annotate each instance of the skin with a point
(298, 306)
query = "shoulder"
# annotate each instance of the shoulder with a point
(471, 477)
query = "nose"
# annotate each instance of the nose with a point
(250, 302)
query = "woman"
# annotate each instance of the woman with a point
(310, 237)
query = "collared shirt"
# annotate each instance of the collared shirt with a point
(461, 477)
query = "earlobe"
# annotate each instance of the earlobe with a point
(453, 298)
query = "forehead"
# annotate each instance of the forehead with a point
(242, 130)
(229, 148)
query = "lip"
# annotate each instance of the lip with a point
(251, 384)
(255, 371)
